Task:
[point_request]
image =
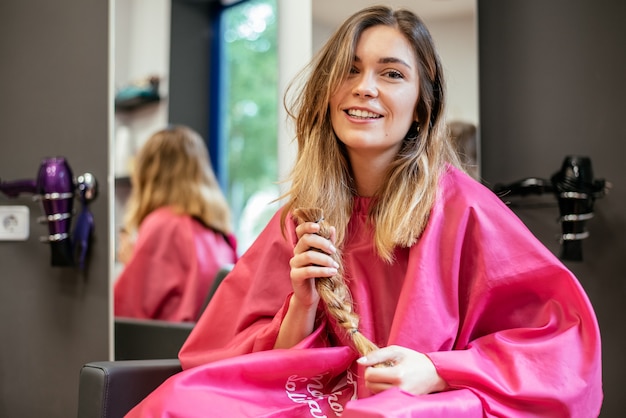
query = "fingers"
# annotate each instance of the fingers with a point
(312, 252)
(377, 387)
(311, 264)
(378, 379)
(308, 238)
(309, 271)
(312, 256)
(380, 373)
(307, 228)
(311, 260)
(387, 355)
(407, 369)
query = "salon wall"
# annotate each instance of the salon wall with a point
(552, 84)
(53, 101)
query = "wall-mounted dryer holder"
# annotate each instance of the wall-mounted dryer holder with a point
(55, 187)
(575, 190)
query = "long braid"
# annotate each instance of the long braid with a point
(334, 291)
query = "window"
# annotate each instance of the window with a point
(249, 83)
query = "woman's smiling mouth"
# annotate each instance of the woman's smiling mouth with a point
(362, 114)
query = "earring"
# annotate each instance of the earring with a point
(413, 132)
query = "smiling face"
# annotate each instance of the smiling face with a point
(373, 109)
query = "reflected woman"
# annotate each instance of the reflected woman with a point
(180, 222)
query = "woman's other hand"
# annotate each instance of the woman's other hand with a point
(407, 369)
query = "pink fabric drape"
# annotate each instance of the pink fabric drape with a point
(507, 326)
(174, 263)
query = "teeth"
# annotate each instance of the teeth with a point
(362, 114)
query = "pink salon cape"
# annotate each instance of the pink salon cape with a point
(174, 263)
(505, 323)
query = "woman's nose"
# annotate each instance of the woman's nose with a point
(365, 86)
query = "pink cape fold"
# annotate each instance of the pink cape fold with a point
(277, 383)
(505, 323)
(398, 404)
(172, 268)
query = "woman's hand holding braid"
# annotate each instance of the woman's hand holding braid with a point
(310, 259)
(407, 369)
(404, 368)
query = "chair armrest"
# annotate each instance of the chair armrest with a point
(109, 389)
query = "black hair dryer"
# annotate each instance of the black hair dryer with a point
(575, 190)
(56, 188)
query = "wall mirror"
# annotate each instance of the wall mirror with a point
(143, 33)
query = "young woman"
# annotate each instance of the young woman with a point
(474, 316)
(181, 222)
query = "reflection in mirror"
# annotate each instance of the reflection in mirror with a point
(142, 55)
(140, 81)
(248, 121)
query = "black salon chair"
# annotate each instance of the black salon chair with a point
(109, 389)
(146, 353)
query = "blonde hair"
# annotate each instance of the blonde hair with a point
(173, 169)
(321, 177)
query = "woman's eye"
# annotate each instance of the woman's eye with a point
(394, 74)
(354, 70)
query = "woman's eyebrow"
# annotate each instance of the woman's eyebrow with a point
(388, 60)
(393, 60)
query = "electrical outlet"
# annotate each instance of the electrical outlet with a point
(14, 223)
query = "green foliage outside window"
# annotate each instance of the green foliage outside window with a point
(251, 103)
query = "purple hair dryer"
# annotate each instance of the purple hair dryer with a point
(54, 187)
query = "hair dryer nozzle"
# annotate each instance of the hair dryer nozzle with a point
(17, 187)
